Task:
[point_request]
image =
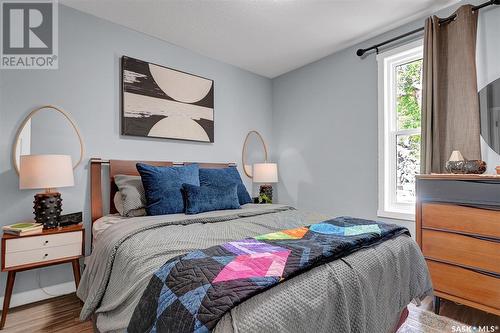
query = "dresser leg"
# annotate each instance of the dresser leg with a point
(76, 271)
(8, 292)
(437, 304)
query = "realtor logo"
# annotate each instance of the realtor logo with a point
(29, 34)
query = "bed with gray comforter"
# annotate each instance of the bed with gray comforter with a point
(362, 292)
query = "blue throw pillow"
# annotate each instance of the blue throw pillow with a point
(224, 177)
(201, 199)
(163, 187)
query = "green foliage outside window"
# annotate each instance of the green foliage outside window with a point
(409, 82)
(408, 106)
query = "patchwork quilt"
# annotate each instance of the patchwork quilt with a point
(192, 292)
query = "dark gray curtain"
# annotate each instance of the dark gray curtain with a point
(450, 104)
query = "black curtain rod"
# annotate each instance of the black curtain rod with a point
(361, 52)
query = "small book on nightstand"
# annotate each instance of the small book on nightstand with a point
(23, 228)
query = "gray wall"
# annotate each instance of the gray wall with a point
(87, 86)
(325, 125)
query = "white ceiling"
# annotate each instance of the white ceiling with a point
(267, 37)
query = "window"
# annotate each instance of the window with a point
(400, 100)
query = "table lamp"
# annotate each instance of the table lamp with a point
(46, 172)
(266, 173)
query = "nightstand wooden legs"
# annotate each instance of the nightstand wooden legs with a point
(8, 293)
(437, 304)
(76, 271)
(10, 285)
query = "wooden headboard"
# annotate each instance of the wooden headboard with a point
(124, 167)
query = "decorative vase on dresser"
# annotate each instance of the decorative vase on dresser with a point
(458, 230)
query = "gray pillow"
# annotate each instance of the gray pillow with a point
(117, 200)
(132, 195)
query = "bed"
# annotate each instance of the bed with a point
(366, 291)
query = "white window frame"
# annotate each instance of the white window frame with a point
(387, 129)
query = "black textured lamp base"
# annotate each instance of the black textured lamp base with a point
(267, 190)
(47, 209)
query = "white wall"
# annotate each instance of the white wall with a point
(325, 125)
(87, 86)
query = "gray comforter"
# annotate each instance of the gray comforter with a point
(363, 292)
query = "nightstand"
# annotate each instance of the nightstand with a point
(51, 247)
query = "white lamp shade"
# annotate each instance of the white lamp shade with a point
(265, 173)
(45, 171)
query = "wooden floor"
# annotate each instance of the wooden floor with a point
(462, 313)
(60, 314)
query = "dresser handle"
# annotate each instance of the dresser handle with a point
(46, 255)
(46, 242)
(475, 270)
(488, 239)
(480, 271)
(480, 206)
(485, 238)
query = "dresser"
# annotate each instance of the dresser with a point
(458, 230)
(51, 247)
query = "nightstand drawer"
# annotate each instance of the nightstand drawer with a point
(461, 250)
(43, 241)
(461, 219)
(41, 255)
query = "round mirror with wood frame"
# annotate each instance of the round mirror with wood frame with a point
(254, 151)
(26, 125)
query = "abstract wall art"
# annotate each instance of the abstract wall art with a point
(161, 102)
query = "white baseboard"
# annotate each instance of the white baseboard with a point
(36, 295)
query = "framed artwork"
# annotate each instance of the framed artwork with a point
(160, 102)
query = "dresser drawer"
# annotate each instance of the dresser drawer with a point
(42, 255)
(461, 219)
(474, 189)
(464, 283)
(461, 250)
(43, 241)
